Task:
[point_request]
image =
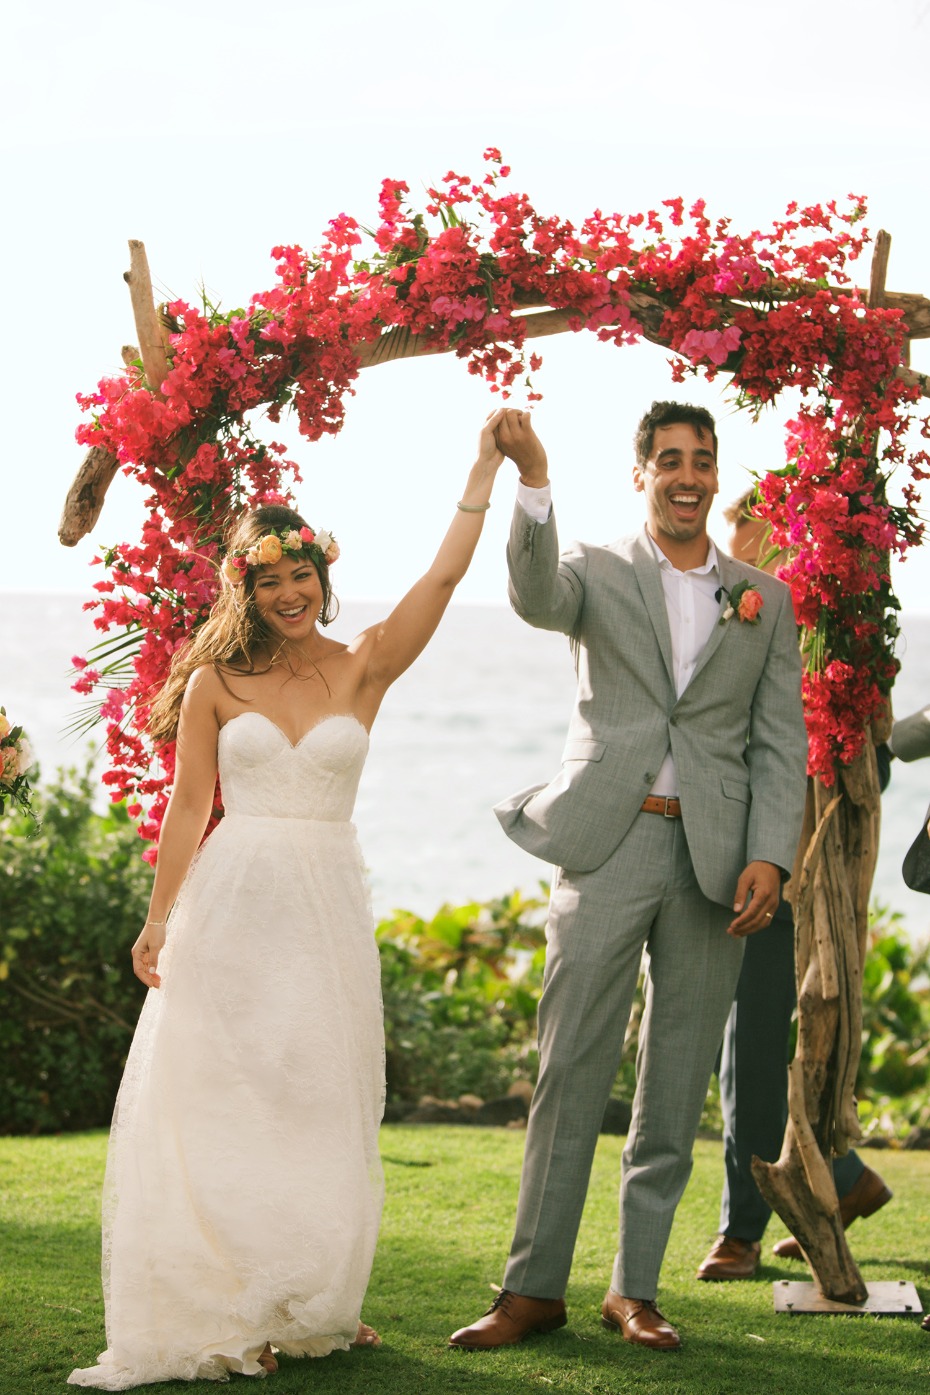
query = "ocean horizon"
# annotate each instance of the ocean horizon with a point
(483, 712)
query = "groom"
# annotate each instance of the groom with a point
(672, 823)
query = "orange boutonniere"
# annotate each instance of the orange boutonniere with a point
(744, 601)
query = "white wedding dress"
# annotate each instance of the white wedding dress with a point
(243, 1188)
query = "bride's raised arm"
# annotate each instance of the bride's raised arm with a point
(391, 647)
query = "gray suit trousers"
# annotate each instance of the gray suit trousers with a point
(644, 896)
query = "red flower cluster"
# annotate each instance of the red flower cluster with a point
(773, 310)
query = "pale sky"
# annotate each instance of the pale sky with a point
(215, 129)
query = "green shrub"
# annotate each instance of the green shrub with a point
(460, 996)
(73, 897)
(895, 1010)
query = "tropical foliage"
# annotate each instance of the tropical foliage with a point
(460, 989)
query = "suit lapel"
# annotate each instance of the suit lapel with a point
(649, 580)
(728, 577)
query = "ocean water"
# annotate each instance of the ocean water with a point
(482, 713)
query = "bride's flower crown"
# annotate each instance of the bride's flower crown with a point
(272, 547)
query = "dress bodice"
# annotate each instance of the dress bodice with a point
(263, 775)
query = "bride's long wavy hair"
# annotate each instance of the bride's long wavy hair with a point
(235, 637)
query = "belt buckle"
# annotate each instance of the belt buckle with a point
(668, 798)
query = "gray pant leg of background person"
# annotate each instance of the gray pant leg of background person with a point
(753, 1073)
(694, 966)
(598, 924)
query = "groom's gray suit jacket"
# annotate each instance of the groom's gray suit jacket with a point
(736, 733)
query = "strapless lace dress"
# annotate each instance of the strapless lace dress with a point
(243, 1188)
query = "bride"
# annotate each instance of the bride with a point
(243, 1187)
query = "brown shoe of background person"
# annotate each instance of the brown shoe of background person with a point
(640, 1321)
(866, 1196)
(730, 1258)
(510, 1318)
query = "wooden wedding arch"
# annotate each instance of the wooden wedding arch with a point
(836, 860)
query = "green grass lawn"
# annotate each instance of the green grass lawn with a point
(447, 1224)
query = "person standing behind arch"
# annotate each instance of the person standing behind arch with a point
(753, 1066)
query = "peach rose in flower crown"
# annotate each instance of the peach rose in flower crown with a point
(4, 726)
(269, 550)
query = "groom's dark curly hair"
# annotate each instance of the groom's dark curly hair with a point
(672, 414)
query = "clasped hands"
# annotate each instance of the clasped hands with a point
(514, 434)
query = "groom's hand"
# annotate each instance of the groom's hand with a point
(758, 893)
(519, 442)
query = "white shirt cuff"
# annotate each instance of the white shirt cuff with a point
(536, 502)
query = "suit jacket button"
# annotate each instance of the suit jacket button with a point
(649, 777)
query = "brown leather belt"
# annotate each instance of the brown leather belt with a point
(658, 804)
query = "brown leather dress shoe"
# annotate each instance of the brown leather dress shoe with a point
(731, 1258)
(640, 1321)
(868, 1194)
(510, 1318)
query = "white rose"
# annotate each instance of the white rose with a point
(24, 756)
(323, 540)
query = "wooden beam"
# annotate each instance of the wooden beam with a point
(148, 323)
(85, 498)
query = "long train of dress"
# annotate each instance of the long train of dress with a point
(243, 1188)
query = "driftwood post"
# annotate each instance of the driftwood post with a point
(831, 886)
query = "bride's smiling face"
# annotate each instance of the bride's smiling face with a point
(289, 596)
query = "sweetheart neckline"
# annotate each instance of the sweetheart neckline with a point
(332, 717)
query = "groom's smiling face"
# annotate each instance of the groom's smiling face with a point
(679, 481)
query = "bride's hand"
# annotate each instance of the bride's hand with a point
(490, 456)
(145, 953)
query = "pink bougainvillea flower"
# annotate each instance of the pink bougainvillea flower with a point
(773, 308)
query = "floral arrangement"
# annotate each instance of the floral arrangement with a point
(272, 547)
(15, 760)
(773, 310)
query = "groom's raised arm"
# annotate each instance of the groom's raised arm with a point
(544, 591)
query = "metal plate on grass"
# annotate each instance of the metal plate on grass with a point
(887, 1298)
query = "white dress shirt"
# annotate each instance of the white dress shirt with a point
(690, 602)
